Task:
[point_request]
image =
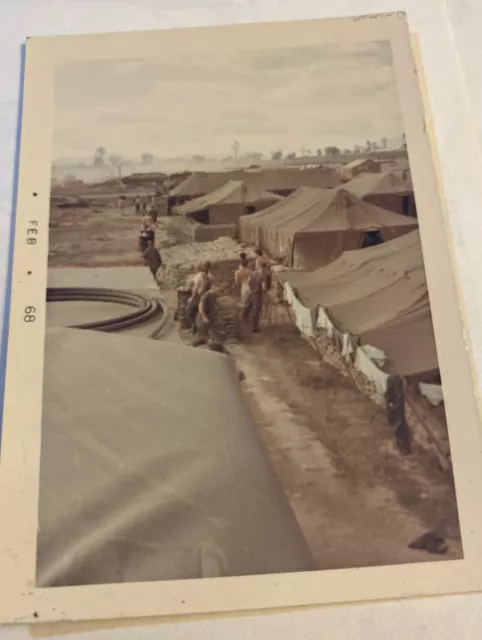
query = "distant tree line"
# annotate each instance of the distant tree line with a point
(115, 159)
(333, 151)
(101, 157)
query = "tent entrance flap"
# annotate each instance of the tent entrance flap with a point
(371, 238)
(314, 250)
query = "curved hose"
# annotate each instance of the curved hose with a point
(145, 309)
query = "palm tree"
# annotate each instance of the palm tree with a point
(99, 155)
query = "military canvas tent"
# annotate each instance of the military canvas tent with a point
(286, 180)
(361, 165)
(384, 190)
(312, 227)
(380, 296)
(279, 180)
(226, 204)
(200, 183)
(153, 469)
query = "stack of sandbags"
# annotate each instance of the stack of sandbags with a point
(182, 261)
(227, 323)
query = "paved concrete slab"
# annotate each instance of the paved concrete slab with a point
(126, 278)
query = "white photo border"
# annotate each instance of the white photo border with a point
(20, 600)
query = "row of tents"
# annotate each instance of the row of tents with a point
(379, 297)
(281, 181)
(383, 189)
(284, 181)
(312, 226)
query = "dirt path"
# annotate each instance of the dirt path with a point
(358, 501)
(93, 237)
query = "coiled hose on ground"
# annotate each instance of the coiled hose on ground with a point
(145, 309)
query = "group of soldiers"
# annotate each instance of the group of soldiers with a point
(141, 205)
(252, 278)
(144, 206)
(254, 281)
(149, 214)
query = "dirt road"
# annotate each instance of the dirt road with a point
(93, 237)
(358, 500)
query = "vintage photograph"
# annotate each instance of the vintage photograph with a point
(241, 374)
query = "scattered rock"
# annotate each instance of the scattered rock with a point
(431, 541)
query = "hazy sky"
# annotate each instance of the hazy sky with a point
(184, 105)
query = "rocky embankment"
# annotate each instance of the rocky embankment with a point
(183, 260)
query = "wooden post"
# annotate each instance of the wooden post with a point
(412, 402)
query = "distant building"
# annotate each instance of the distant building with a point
(363, 165)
